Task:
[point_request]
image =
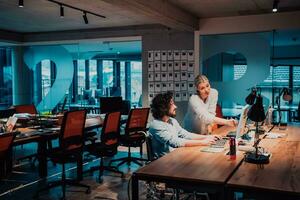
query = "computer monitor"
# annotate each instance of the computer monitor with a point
(240, 130)
(110, 104)
(242, 123)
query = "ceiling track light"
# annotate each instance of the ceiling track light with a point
(62, 13)
(21, 3)
(63, 5)
(86, 21)
(275, 6)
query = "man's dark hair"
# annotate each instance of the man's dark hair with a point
(161, 104)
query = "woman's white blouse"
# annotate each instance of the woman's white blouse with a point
(200, 114)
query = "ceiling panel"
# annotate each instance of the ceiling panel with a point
(43, 16)
(225, 8)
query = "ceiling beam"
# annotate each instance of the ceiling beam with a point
(250, 23)
(9, 36)
(160, 11)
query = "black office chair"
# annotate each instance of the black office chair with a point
(7, 113)
(70, 149)
(6, 141)
(108, 147)
(135, 134)
(298, 112)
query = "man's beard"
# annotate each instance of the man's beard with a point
(172, 114)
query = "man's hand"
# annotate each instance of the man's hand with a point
(231, 122)
(208, 141)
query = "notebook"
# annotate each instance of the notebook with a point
(10, 124)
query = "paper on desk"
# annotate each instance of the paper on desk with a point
(22, 115)
(274, 135)
(212, 149)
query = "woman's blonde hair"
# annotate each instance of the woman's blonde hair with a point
(200, 79)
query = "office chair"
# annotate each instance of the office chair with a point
(108, 147)
(156, 191)
(26, 108)
(70, 149)
(298, 112)
(6, 141)
(7, 113)
(31, 109)
(219, 114)
(135, 134)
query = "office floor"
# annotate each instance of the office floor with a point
(24, 181)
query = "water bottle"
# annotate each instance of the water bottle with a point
(232, 148)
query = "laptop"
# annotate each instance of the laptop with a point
(239, 131)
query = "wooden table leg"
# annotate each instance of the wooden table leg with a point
(134, 187)
(42, 158)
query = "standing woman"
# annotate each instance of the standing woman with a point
(201, 113)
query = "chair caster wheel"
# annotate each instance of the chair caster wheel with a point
(100, 180)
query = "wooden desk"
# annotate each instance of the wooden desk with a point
(189, 168)
(37, 136)
(280, 179)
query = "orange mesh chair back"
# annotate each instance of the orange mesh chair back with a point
(30, 108)
(111, 130)
(134, 134)
(72, 129)
(137, 120)
(70, 150)
(108, 147)
(219, 113)
(6, 141)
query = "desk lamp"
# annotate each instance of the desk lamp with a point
(251, 97)
(257, 114)
(286, 96)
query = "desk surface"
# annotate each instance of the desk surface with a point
(282, 174)
(34, 134)
(192, 165)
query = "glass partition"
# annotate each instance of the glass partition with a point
(235, 63)
(80, 72)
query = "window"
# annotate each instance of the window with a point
(107, 75)
(136, 82)
(93, 74)
(239, 71)
(81, 76)
(5, 78)
(122, 74)
(296, 85)
(46, 76)
(279, 76)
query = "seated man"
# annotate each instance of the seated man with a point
(165, 130)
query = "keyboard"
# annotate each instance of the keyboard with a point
(219, 143)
